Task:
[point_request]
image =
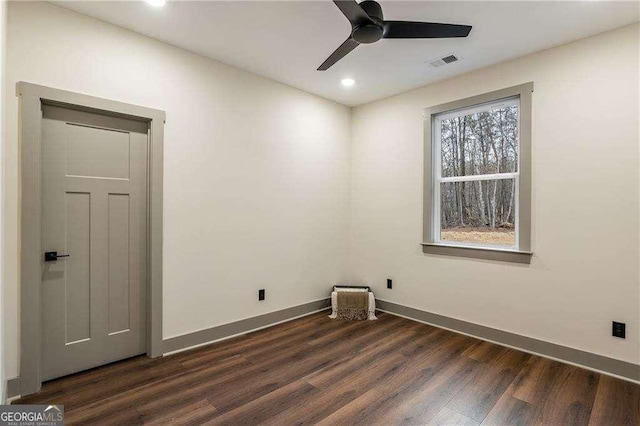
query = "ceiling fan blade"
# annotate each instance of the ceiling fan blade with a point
(340, 53)
(353, 11)
(406, 29)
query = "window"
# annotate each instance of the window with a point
(477, 176)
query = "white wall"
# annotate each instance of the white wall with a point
(257, 185)
(3, 51)
(256, 173)
(584, 273)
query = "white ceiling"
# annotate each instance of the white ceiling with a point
(287, 40)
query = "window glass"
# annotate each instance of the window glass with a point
(479, 212)
(480, 143)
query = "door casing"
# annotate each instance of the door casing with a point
(32, 97)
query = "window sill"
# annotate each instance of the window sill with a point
(504, 255)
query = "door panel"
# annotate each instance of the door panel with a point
(77, 271)
(96, 152)
(119, 282)
(94, 198)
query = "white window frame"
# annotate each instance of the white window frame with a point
(432, 242)
(438, 180)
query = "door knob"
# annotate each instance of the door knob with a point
(52, 256)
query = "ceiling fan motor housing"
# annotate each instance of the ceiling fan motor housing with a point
(371, 31)
(373, 9)
(367, 33)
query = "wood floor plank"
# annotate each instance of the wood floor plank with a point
(570, 400)
(478, 398)
(342, 342)
(154, 391)
(427, 393)
(448, 417)
(357, 411)
(269, 405)
(617, 403)
(61, 388)
(300, 362)
(350, 329)
(317, 370)
(163, 408)
(537, 378)
(120, 383)
(130, 416)
(413, 399)
(510, 411)
(484, 351)
(195, 413)
(427, 340)
(433, 365)
(385, 347)
(314, 410)
(191, 388)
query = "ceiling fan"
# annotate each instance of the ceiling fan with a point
(369, 26)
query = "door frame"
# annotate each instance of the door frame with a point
(31, 98)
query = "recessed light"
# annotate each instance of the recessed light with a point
(156, 3)
(348, 82)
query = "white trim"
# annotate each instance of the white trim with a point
(495, 176)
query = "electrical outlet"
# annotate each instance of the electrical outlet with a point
(261, 294)
(389, 283)
(619, 329)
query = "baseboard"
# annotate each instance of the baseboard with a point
(224, 331)
(611, 366)
(13, 387)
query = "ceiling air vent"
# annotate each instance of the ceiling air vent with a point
(436, 63)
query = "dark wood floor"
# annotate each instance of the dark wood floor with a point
(317, 370)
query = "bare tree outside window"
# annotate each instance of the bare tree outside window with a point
(477, 175)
